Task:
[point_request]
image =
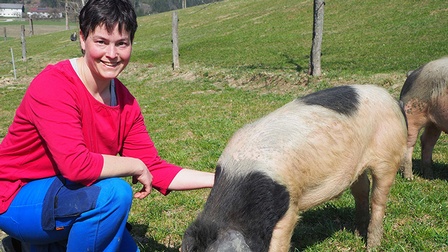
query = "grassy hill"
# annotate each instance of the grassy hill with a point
(241, 59)
(374, 37)
(359, 38)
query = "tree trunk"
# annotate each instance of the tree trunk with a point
(316, 49)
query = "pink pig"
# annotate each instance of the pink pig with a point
(425, 98)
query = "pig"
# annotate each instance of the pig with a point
(303, 154)
(425, 98)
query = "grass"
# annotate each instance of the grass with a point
(241, 59)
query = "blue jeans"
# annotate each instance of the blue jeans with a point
(102, 228)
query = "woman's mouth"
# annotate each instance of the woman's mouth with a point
(110, 64)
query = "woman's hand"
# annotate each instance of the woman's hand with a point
(116, 166)
(146, 180)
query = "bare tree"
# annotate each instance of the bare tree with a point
(316, 49)
(72, 9)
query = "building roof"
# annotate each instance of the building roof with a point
(10, 6)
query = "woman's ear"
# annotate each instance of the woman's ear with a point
(82, 42)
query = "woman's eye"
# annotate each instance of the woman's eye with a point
(122, 44)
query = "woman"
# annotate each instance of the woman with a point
(76, 131)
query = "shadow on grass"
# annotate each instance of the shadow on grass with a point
(292, 61)
(440, 170)
(288, 59)
(153, 246)
(317, 225)
(148, 244)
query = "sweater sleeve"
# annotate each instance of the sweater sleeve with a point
(139, 144)
(53, 108)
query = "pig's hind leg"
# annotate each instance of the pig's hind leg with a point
(383, 176)
(428, 140)
(360, 191)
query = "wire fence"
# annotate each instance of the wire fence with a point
(13, 47)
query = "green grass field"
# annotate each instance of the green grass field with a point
(241, 59)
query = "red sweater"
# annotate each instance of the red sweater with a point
(59, 128)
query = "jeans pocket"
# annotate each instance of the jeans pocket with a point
(66, 202)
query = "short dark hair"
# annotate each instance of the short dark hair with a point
(108, 13)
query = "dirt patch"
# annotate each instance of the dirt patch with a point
(11, 82)
(14, 31)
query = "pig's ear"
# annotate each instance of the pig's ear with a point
(230, 241)
(199, 235)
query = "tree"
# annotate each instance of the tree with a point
(72, 9)
(51, 3)
(316, 48)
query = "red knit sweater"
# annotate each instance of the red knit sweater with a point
(59, 128)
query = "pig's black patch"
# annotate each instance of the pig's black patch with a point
(251, 204)
(343, 99)
(409, 83)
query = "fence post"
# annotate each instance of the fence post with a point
(4, 32)
(175, 42)
(31, 27)
(13, 64)
(67, 27)
(23, 43)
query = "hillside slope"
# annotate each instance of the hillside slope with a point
(360, 37)
(367, 36)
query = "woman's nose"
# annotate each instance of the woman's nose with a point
(111, 51)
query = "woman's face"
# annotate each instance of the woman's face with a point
(106, 54)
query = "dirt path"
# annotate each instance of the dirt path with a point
(13, 31)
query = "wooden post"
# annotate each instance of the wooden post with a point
(4, 32)
(22, 36)
(31, 27)
(175, 42)
(184, 4)
(316, 49)
(67, 27)
(13, 64)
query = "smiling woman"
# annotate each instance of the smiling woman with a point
(106, 54)
(78, 130)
